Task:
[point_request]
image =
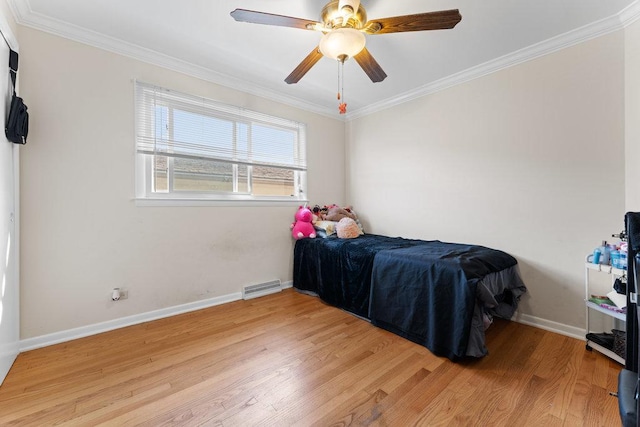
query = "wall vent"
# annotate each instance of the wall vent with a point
(261, 289)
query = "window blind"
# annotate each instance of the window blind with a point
(175, 124)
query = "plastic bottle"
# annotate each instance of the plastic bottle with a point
(605, 259)
(623, 260)
(615, 259)
(596, 255)
(624, 248)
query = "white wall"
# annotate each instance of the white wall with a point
(529, 160)
(632, 113)
(9, 212)
(6, 14)
(82, 234)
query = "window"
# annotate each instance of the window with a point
(194, 148)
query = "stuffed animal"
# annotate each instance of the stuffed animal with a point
(347, 228)
(302, 227)
(336, 213)
(319, 213)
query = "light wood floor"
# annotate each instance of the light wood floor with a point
(288, 359)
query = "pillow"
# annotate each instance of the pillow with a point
(323, 235)
(327, 227)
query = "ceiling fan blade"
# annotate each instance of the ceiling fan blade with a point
(442, 20)
(370, 66)
(254, 17)
(304, 66)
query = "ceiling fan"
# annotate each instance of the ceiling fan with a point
(344, 25)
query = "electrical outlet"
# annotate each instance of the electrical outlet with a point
(119, 294)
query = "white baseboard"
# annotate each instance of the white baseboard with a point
(549, 325)
(97, 328)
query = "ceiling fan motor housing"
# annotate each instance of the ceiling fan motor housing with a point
(334, 17)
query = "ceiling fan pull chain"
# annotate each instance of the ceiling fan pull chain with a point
(339, 95)
(342, 106)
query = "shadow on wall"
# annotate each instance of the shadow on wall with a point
(568, 292)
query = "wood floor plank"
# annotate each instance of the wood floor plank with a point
(409, 407)
(350, 383)
(290, 359)
(396, 375)
(579, 402)
(498, 380)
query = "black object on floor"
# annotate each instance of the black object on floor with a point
(627, 389)
(604, 339)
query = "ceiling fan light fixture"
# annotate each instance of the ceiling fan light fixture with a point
(342, 42)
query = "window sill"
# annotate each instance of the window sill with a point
(186, 202)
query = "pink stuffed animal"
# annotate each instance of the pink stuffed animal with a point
(347, 228)
(303, 227)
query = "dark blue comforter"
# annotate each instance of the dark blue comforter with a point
(424, 291)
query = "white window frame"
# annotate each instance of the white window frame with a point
(146, 94)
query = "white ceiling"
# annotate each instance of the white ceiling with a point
(200, 37)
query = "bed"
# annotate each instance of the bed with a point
(437, 294)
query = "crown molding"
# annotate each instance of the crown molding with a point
(630, 14)
(25, 16)
(546, 47)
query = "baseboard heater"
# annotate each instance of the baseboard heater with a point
(261, 289)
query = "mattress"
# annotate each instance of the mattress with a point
(434, 293)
